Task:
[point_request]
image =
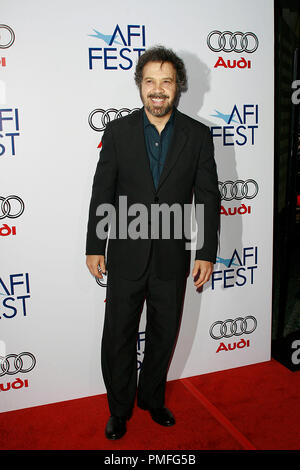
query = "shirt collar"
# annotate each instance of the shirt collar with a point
(170, 121)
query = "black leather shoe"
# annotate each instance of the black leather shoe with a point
(162, 416)
(115, 428)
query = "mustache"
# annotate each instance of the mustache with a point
(157, 95)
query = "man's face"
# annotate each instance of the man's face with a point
(158, 88)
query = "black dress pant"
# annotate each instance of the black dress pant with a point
(124, 304)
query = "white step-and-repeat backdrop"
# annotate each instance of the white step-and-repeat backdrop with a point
(66, 70)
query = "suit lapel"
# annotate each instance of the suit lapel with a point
(140, 144)
(176, 146)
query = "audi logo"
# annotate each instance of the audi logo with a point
(101, 282)
(237, 327)
(7, 36)
(238, 190)
(227, 41)
(6, 208)
(107, 116)
(13, 363)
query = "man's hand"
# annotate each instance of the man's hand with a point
(204, 269)
(93, 262)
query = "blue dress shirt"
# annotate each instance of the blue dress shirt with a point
(157, 145)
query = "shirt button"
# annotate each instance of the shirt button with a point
(156, 143)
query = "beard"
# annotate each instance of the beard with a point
(158, 110)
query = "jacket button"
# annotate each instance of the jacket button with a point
(156, 199)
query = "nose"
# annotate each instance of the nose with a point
(158, 88)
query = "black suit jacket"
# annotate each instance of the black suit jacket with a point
(124, 170)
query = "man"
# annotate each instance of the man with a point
(154, 156)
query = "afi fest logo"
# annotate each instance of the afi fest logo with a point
(240, 269)
(7, 38)
(241, 124)
(9, 130)
(14, 294)
(120, 49)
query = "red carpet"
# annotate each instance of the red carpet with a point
(252, 407)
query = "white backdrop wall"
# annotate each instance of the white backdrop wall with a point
(66, 69)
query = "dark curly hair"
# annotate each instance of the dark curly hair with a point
(161, 54)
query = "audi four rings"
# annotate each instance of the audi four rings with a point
(238, 189)
(6, 209)
(229, 327)
(101, 282)
(17, 365)
(10, 41)
(235, 42)
(108, 115)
